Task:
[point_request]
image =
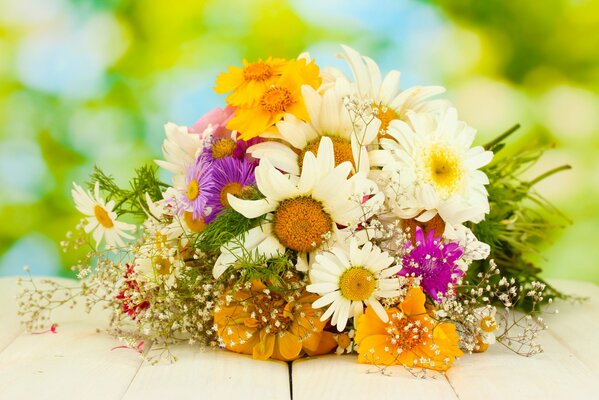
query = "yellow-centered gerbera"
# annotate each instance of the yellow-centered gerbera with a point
(260, 109)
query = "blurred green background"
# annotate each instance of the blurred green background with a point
(86, 82)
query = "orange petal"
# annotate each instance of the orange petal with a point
(369, 324)
(265, 347)
(413, 304)
(372, 350)
(288, 346)
(326, 344)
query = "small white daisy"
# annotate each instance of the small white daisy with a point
(300, 212)
(348, 280)
(328, 117)
(101, 219)
(181, 149)
(487, 324)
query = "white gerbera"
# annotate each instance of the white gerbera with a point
(101, 219)
(388, 100)
(348, 280)
(433, 169)
(300, 212)
(181, 149)
(329, 117)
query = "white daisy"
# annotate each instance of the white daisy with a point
(348, 280)
(433, 169)
(487, 324)
(101, 219)
(388, 100)
(329, 117)
(181, 149)
(300, 212)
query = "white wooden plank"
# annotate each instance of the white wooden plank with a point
(341, 377)
(10, 326)
(75, 363)
(499, 374)
(210, 374)
(576, 326)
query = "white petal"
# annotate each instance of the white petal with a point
(378, 309)
(251, 208)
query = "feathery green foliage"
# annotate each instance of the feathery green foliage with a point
(130, 201)
(520, 220)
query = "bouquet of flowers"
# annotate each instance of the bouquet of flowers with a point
(316, 213)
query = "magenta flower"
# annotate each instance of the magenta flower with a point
(433, 261)
(229, 175)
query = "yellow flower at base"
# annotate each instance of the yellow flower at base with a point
(260, 108)
(266, 325)
(410, 338)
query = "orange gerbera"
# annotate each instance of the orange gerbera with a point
(263, 108)
(266, 325)
(411, 337)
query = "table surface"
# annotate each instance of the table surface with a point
(78, 363)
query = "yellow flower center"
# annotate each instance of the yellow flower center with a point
(162, 265)
(407, 333)
(341, 149)
(193, 190)
(103, 217)
(195, 225)
(223, 148)
(276, 99)
(386, 115)
(443, 169)
(487, 324)
(234, 188)
(258, 71)
(357, 284)
(300, 223)
(272, 312)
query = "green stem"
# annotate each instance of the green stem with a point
(549, 173)
(501, 137)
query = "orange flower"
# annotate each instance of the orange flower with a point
(411, 337)
(266, 104)
(266, 325)
(249, 81)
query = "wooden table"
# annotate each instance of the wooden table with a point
(78, 363)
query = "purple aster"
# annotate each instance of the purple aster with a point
(229, 175)
(198, 182)
(433, 261)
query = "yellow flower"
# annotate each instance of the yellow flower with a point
(266, 104)
(250, 81)
(266, 325)
(411, 337)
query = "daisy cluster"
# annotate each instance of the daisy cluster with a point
(316, 212)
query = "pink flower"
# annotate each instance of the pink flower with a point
(217, 119)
